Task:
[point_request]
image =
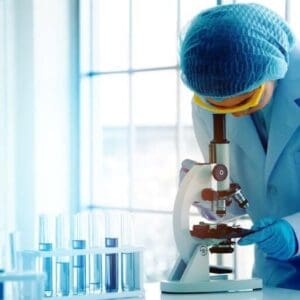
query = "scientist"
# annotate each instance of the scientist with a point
(242, 59)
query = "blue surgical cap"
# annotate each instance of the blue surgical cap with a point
(232, 49)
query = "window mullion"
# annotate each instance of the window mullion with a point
(131, 128)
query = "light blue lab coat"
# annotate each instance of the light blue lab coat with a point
(270, 180)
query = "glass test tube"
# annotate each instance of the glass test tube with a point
(96, 240)
(130, 278)
(62, 262)
(79, 261)
(2, 260)
(112, 233)
(1, 287)
(129, 260)
(45, 244)
(111, 266)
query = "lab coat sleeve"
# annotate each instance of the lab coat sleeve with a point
(294, 221)
(203, 135)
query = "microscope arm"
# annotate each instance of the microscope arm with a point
(209, 185)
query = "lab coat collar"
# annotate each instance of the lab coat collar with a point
(285, 119)
(242, 131)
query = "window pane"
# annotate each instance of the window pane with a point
(85, 36)
(154, 33)
(110, 34)
(85, 141)
(154, 98)
(155, 233)
(155, 168)
(114, 180)
(110, 181)
(110, 135)
(189, 146)
(112, 97)
(190, 8)
(294, 16)
(186, 104)
(277, 6)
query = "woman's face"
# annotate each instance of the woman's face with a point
(235, 101)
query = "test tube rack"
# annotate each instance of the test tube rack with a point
(21, 285)
(34, 259)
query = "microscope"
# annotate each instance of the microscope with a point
(208, 185)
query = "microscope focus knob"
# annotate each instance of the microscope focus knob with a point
(220, 172)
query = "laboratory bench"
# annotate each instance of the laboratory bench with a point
(152, 292)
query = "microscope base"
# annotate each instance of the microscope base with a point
(210, 286)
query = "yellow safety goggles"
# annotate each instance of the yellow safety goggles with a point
(252, 102)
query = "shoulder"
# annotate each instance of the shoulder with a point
(288, 88)
(294, 63)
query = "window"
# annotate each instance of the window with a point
(135, 115)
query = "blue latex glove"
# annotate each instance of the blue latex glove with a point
(274, 237)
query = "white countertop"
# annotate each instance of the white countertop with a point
(267, 293)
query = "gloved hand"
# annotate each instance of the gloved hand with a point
(274, 237)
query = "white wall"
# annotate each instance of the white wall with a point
(16, 116)
(52, 99)
(38, 111)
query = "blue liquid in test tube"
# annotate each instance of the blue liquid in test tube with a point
(96, 221)
(95, 277)
(45, 244)
(47, 269)
(62, 262)
(128, 271)
(79, 269)
(111, 266)
(63, 278)
(130, 276)
(1, 287)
